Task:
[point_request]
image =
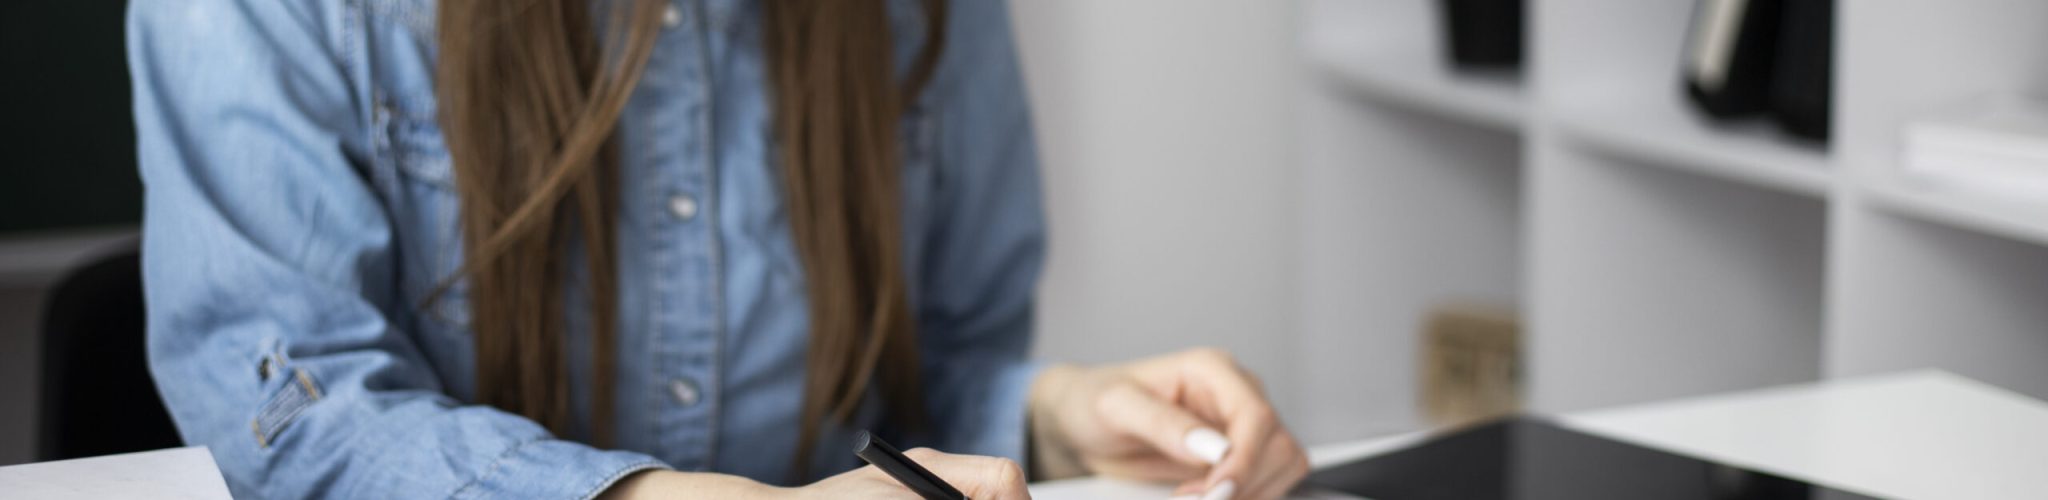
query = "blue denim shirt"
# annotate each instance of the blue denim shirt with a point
(300, 211)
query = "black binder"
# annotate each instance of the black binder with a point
(1804, 80)
(1484, 33)
(1730, 55)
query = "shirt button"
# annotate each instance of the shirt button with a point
(682, 206)
(671, 16)
(685, 391)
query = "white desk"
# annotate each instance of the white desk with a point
(1921, 435)
(173, 474)
(1918, 435)
(1913, 435)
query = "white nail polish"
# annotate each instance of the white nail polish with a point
(1222, 491)
(1206, 444)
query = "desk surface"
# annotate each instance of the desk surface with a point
(173, 474)
(1913, 435)
(1916, 435)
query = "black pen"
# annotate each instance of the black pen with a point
(913, 476)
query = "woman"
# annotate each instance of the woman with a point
(630, 248)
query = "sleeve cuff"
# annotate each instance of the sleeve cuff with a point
(553, 468)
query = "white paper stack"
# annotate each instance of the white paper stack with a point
(1997, 146)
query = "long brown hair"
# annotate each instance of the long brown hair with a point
(529, 97)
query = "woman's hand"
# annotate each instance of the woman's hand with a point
(1193, 417)
(980, 478)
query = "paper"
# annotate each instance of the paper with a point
(1090, 488)
(1107, 489)
(173, 474)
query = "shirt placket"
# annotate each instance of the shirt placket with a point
(690, 305)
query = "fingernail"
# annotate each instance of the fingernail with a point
(1185, 497)
(1222, 491)
(1206, 444)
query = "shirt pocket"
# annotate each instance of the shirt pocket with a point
(286, 389)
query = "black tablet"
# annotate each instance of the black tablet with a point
(1530, 459)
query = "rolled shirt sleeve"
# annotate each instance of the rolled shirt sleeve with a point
(269, 275)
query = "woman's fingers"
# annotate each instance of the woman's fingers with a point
(1150, 467)
(1250, 430)
(1195, 417)
(1219, 375)
(1170, 429)
(1248, 419)
(1265, 460)
(1280, 465)
(978, 477)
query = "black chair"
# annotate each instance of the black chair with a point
(98, 397)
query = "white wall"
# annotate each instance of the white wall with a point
(1165, 129)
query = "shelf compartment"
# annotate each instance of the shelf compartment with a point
(1416, 77)
(2013, 219)
(1915, 293)
(1749, 153)
(1609, 77)
(1652, 283)
(1402, 212)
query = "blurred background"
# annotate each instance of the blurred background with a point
(1400, 213)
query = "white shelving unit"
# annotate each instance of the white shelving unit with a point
(1408, 75)
(1412, 198)
(1681, 142)
(1655, 253)
(2001, 217)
